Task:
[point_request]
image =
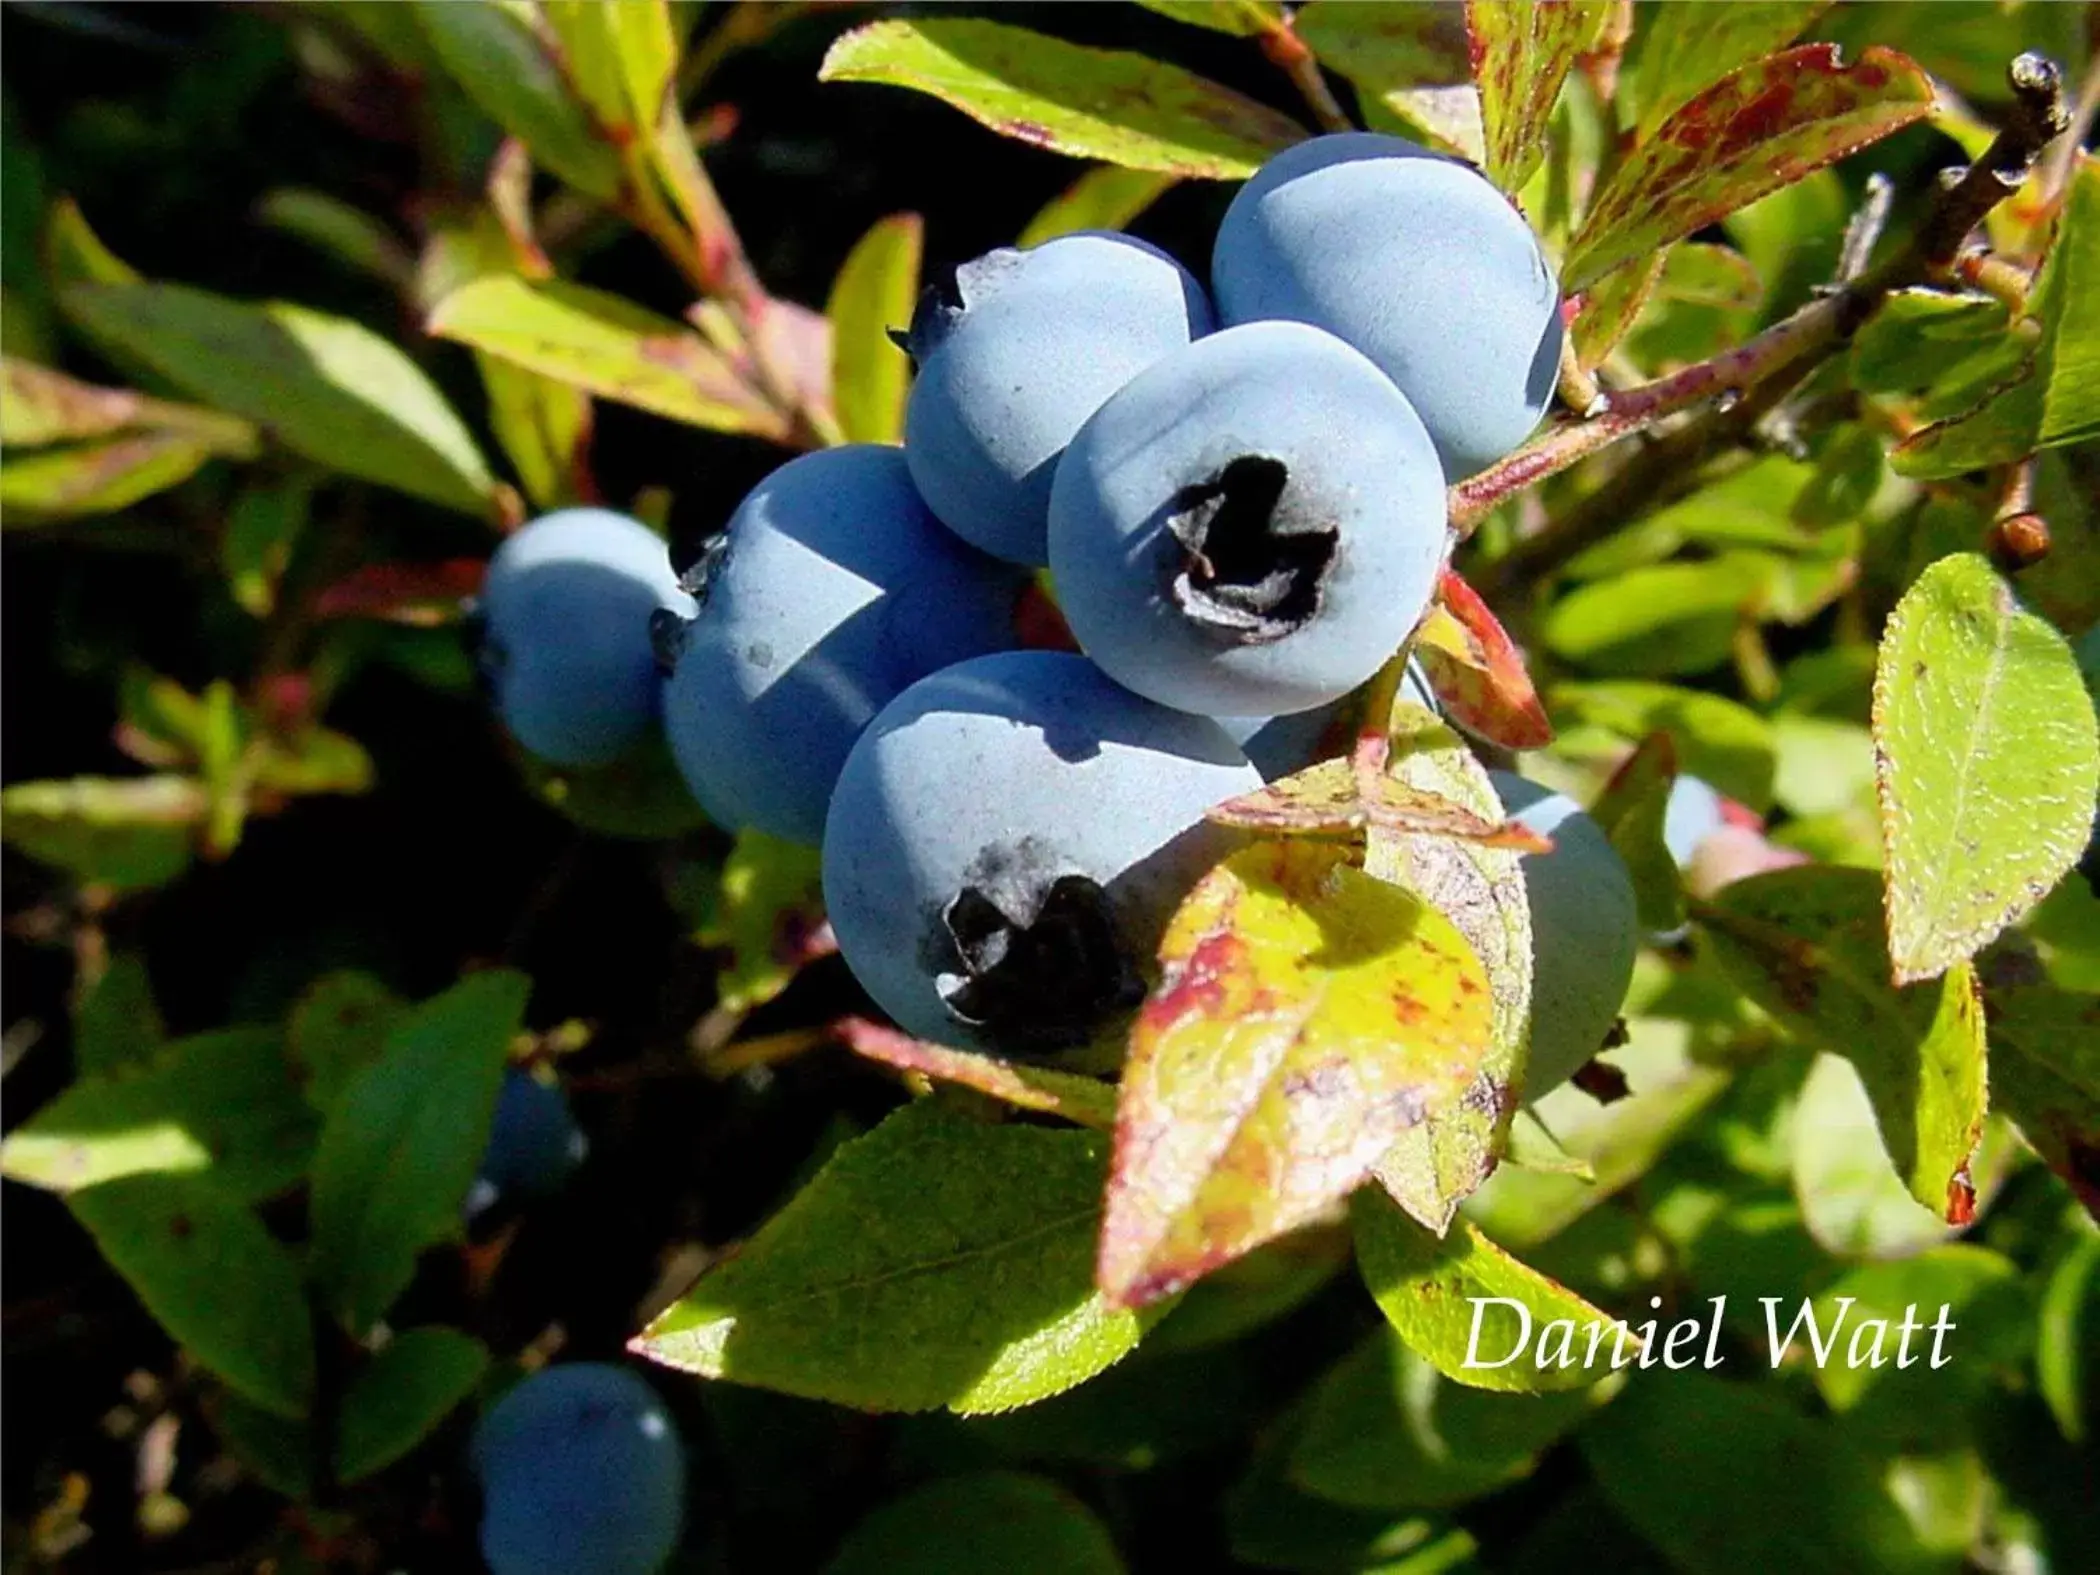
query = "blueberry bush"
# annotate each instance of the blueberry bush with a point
(1224, 786)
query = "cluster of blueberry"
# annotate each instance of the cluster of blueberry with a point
(1239, 496)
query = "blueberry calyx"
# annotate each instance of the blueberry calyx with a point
(1249, 573)
(1042, 981)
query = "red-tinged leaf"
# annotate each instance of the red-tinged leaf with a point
(2045, 1065)
(1334, 799)
(1763, 127)
(423, 594)
(1522, 51)
(1436, 1166)
(1477, 671)
(1307, 1015)
(1085, 1101)
(1610, 307)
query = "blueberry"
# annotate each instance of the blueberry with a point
(564, 630)
(832, 590)
(1692, 815)
(1417, 261)
(1014, 354)
(1251, 526)
(533, 1143)
(1008, 839)
(1282, 745)
(582, 1473)
(1584, 930)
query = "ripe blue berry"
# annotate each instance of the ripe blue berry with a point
(1014, 355)
(533, 1143)
(1006, 842)
(1418, 262)
(1251, 526)
(1584, 931)
(831, 591)
(582, 1473)
(564, 633)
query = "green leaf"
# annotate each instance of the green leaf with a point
(1672, 618)
(874, 293)
(1085, 1101)
(640, 795)
(1806, 944)
(993, 1520)
(1727, 1479)
(1307, 1015)
(348, 234)
(338, 1027)
(1852, 1199)
(621, 57)
(324, 386)
(1987, 761)
(1756, 130)
(1107, 105)
(2052, 396)
(1386, 1430)
(221, 1104)
(1631, 809)
(39, 406)
(115, 1021)
(128, 832)
(1435, 1165)
(1619, 1142)
(1427, 1288)
(1714, 738)
(1681, 50)
(2067, 1339)
(1610, 307)
(543, 425)
(399, 1396)
(1251, 1292)
(400, 1146)
(1922, 341)
(934, 1262)
(1883, 1369)
(219, 1283)
(493, 52)
(1240, 18)
(766, 905)
(262, 528)
(1522, 51)
(1274, 1524)
(2045, 1068)
(606, 346)
(277, 1451)
(1409, 60)
(97, 478)
(1104, 198)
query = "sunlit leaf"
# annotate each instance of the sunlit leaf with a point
(1434, 1166)
(324, 386)
(97, 478)
(1308, 1014)
(935, 1262)
(1808, 946)
(620, 57)
(1469, 1309)
(874, 292)
(2050, 396)
(1084, 1100)
(1099, 104)
(222, 1105)
(1684, 49)
(1104, 198)
(1522, 51)
(1408, 60)
(606, 346)
(1631, 809)
(125, 831)
(1477, 671)
(1987, 763)
(1756, 130)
